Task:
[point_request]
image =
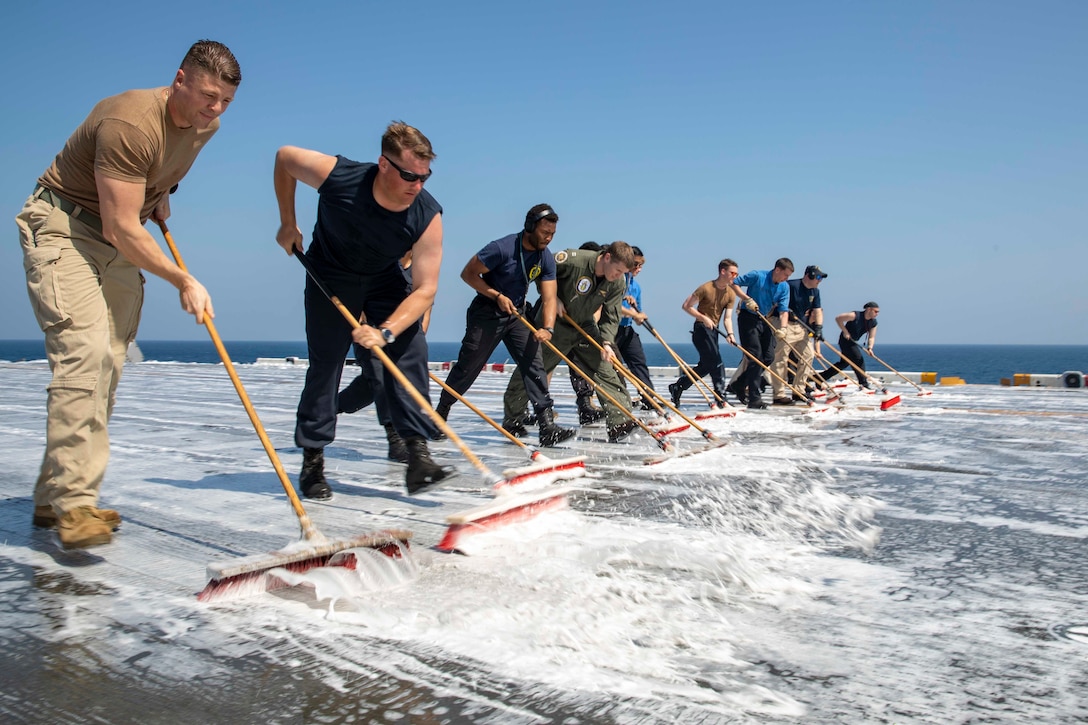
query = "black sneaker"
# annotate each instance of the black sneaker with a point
(617, 433)
(311, 480)
(675, 391)
(756, 404)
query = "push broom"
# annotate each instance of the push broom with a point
(659, 438)
(509, 509)
(753, 359)
(250, 574)
(645, 391)
(920, 391)
(500, 512)
(543, 467)
(721, 409)
(717, 410)
(890, 400)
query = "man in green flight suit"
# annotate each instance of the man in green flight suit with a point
(587, 281)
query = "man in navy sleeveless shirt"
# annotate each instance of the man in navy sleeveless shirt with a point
(854, 326)
(500, 273)
(368, 216)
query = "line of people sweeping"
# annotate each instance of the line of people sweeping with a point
(376, 248)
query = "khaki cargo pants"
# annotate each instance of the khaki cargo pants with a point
(87, 298)
(797, 341)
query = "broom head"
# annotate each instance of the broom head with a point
(249, 575)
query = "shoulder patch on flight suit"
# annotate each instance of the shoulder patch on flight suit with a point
(583, 285)
(561, 257)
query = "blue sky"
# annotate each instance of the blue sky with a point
(930, 156)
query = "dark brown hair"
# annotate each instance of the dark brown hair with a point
(215, 59)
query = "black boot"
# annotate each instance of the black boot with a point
(515, 427)
(550, 433)
(311, 480)
(675, 391)
(423, 473)
(617, 433)
(586, 412)
(397, 451)
(443, 411)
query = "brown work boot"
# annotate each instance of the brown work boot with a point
(81, 528)
(46, 518)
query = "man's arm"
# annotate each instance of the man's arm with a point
(294, 164)
(609, 322)
(473, 274)
(691, 306)
(841, 321)
(636, 315)
(426, 261)
(120, 203)
(549, 308)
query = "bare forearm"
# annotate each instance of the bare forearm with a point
(548, 312)
(414, 306)
(137, 245)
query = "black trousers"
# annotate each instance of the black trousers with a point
(328, 339)
(757, 337)
(485, 327)
(710, 358)
(629, 346)
(366, 388)
(851, 350)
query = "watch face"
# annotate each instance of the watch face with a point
(389, 336)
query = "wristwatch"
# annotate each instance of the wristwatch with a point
(388, 336)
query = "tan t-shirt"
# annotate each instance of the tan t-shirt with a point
(713, 301)
(129, 137)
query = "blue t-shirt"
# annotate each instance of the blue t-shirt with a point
(634, 289)
(772, 298)
(510, 267)
(802, 300)
(355, 233)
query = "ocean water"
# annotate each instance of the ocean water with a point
(982, 364)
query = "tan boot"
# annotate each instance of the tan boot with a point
(46, 518)
(81, 528)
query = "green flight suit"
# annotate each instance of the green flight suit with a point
(581, 293)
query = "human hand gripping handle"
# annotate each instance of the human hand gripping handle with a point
(290, 238)
(751, 305)
(194, 297)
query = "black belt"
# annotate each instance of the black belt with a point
(73, 210)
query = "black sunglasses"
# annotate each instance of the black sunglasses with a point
(409, 176)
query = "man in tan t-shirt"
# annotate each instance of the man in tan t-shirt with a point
(84, 244)
(708, 304)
